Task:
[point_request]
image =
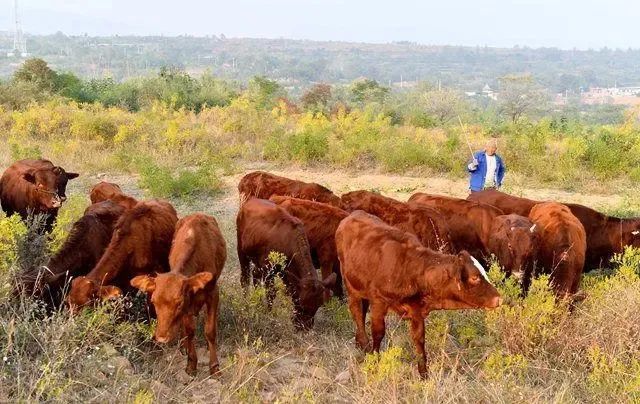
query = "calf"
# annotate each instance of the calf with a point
(320, 223)
(386, 269)
(197, 256)
(606, 235)
(34, 187)
(264, 227)
(426, 223)
(469, 222)
(263, 185)
(515, 242)
(83, 247)
(103, 191)
(140, 245)
(562, 247)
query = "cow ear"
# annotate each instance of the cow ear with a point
(144, 282)
(199, 281)
(330, 280)
(29, 177)
(109, 292)
(71, 176)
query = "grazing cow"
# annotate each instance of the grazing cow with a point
(36, 187)
(515, 242)
(469, 222)
(386, 269)
(264, 185)
(320, 223)
(563, 243)
(264, 227)
(426, 223)
(82, 249)
(197, 256)
(103, 191)
(140, 245)
(606, 235)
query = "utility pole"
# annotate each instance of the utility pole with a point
(19, 42)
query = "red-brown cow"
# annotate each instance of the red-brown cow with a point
(264, 185)
(469, 222)
(562, 247)
(264, 227)
(320, 223)
(36, 187)
(197, 256)
(82, 249)
(426, 223)
(140, 245)
(104, 191)
(606, 235)
(515, 241)
(387, 269)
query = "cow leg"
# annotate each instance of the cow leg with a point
(245, 270)
(189, 324)
(417, 334)
(211, 330)
(356, 306)
(378, 311)
(338, 291)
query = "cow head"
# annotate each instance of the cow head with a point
(517, 248)
(467, 286)
(171, 296)
(85, 291)
(50, 185)
(311, 296)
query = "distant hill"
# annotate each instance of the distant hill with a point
(296, 63)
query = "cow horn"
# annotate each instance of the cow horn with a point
(532, 228)
(480, 268)
(512, 228)
(635, 232)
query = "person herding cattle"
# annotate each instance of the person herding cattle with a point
(487, 168)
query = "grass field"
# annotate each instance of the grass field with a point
(529, 350)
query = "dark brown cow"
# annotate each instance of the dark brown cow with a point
(469, 222)
(515, 241)
(81, 251)
(264, 185)
(140, 245)
(197, 256)
(606, 235)
(104, 191)
(264, 227)
(426, 223)
(34, 186)
(386, 269)
(562, 247)
(320, 223)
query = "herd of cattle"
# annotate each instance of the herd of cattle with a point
(408, 257)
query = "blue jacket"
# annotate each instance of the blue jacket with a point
(476, 182)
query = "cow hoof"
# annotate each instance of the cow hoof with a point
(191, 371)
(214, 371)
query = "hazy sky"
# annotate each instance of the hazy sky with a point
(559, 23)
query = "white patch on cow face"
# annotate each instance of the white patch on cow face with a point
(480, 268)
(635, 232)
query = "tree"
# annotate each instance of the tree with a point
(520, 96)
(443, 105)
(37, 72)
(316, 98)
(265, 92)
(364, 91)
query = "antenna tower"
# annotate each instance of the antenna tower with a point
(19, 42)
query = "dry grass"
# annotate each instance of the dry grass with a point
(530, 350)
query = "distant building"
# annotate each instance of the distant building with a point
(487, 92)
(611, 95)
